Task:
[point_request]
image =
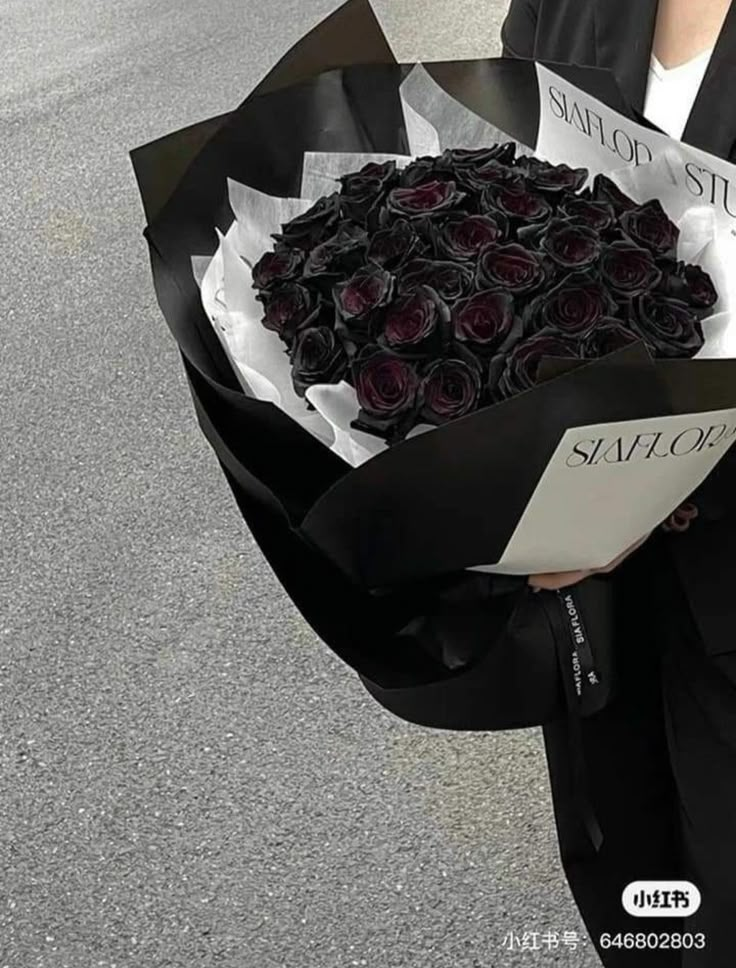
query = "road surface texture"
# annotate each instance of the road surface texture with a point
(188, 777)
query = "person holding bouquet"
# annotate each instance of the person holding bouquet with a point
(428, 294)
(662, 755)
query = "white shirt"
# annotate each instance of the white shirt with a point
(671, 92)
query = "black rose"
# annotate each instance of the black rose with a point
(426, 169)
(608, 336)
(387, 387)
(570, 245)
(670, 328)
(692, 285)
(414, 322)
(341, 253)
(449, 280)
(503, 154)
(511, 268)
(463, 236)
(366, 195)
(521, 371)
(491, 175)
(313, 226)
(555, 178)
(450, 389)
(390, 248)
(274, 268)
(526, 162)
(702, 292)
(629, 270)
(604, 190)
(518, 204)
(317, 356)
(596, 215)
(650, 226)
(366, 290)
(381, 172)
(288, 308)
(363, 191)
(573, 307)
(483, 322)
(430, 198)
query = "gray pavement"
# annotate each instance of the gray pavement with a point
(188, 777)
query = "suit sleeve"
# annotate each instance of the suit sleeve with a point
(519, 30)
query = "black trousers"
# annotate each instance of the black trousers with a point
(661, 765)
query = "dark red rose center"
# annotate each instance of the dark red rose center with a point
(390, 247)
(494, 174)
(596, 215)
(575, 309)
(273, 267)
(560, 178)
(358, 298)
(525, 205)
(510, 267)
(485, 318)
(289, 307)
(451, 389)
(450, 281)
(669, 319)
(410, 320)
(385, 385)
(423, 198)
(573, 246)
(469, 237)
(365, 291)
(629, 269)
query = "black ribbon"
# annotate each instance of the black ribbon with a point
(581, 682)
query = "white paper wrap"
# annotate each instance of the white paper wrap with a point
(575, 129)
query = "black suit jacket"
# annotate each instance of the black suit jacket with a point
(618, 34)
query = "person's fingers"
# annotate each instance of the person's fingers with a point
(555, 580)
(681, 519)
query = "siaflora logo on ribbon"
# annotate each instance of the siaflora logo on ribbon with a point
(661, 899)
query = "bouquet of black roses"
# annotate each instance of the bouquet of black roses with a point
(534, 316)
(435, 350)
(437, 289)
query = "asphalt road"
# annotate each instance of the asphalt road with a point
(188, 777)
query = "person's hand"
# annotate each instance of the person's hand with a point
(555, 580)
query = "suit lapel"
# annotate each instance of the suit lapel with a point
(712, 123)
(624, 31)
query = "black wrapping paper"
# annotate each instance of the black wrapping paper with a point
(372, 559)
